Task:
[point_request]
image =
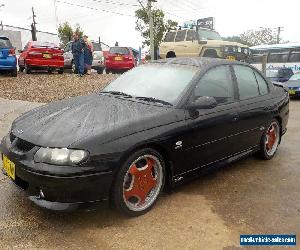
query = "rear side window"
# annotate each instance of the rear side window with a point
(5, 43)
(295, 56)
(119, 50)
(180, 36)
(191, 35)
(278, 57)
(216, 83)
(247, 84)
(170, 36)
(262, 84)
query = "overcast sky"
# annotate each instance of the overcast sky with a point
(96, 17)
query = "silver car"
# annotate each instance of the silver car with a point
(98, 59)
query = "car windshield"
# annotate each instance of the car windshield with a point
(272, 73)
(162, 82)
(119, 50)
(5, 43)
(295, 77)
(97, 47)
(208, 35)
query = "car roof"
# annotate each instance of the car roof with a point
(202, 62)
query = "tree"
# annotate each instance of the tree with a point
(261, 36)
(255, 37)
(65, 33)
(160, 25)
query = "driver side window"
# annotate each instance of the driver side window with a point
(217, 83)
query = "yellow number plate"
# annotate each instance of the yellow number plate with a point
(231, 58)
(9, 167)
(48, 56)
(292, 92)
(118, 58)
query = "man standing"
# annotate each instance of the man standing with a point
(78, 46)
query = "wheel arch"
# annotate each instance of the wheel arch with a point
(170, 54)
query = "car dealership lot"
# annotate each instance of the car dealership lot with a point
(250, 196)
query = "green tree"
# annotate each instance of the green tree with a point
(236, 39)
(65, 32)
(160, 25)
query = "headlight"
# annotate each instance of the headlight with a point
(60, 156)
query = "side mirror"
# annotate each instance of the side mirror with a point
(20, 51)
(203, 102)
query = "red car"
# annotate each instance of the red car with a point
(119, 59)
(41, 55)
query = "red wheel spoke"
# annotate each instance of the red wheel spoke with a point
(143, 182)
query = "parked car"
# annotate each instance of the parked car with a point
(8, 60)
(119, 59)
(98, 59)
(41, 56)
(294, 85)
(153, 127)
(279, 75)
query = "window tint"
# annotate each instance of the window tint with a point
(295, 56)
(262, 84)
(5, 43)
(180, 36)
(216, 83)
(246, 82)
(170, 36)
(191, 35)
(278, 57)
(119, 50)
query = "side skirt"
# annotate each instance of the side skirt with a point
(195, 173)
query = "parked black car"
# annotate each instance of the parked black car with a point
(279, 75)
(153, 127)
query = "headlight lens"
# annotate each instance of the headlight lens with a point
(60, 156)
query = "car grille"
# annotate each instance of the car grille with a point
(20, 144)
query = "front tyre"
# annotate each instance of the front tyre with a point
(139, 183)
(270, 140)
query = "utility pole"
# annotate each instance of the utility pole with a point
(150, 14)
(33, 26)
(279, 29)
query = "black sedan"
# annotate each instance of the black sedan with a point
(152, 128)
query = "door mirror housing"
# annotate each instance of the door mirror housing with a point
(20, 51)
(203, 102)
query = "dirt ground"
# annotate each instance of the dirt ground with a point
(44, 87)
(248, 197)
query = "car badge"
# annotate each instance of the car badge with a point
(178, 145)
(20, 131)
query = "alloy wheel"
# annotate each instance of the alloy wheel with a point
(272, 138)
(142, 183)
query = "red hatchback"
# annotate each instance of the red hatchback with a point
(41, 55)
(119, 59)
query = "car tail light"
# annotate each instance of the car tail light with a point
(34, 54)
(12, 52)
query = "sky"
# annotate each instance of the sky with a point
(113, 20)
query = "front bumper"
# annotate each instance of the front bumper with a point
(64, 188)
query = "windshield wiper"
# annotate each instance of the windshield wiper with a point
(152, 99)
(116, 93)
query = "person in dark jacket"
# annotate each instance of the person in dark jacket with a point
(78, 47)
(88, 54)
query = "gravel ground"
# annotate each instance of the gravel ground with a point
(44, 87)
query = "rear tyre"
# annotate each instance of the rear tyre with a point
(27, 69)
(107, 71)
(60, 71)
(138, 183)
(100, 71)
(170, 54)
(14, 73)
(21, 69)
(50, 71)
(270, 140)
